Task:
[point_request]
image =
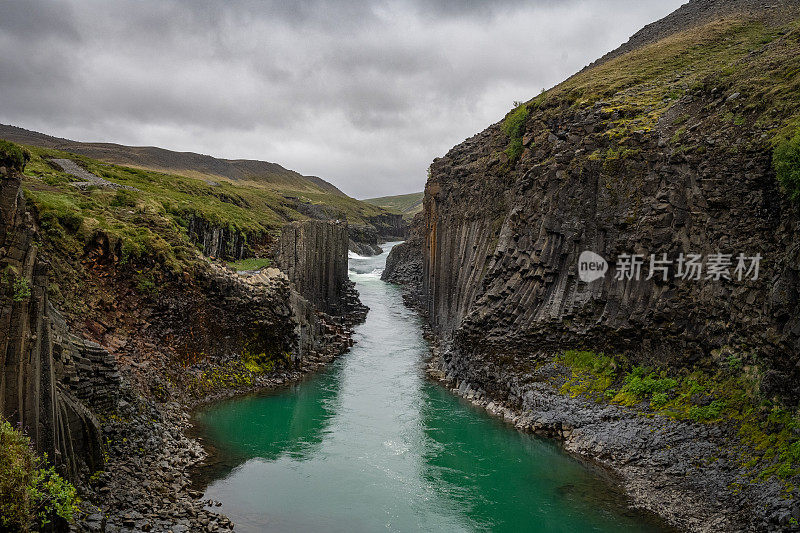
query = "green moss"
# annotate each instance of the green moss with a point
(22, 290)
(659, 400)
(786, 160)
(514, 126)
(769, 432)
(14, 156)
(31, 492)
(707, 412)
(253, 263)
(15, 284)
(641, 384)
(592, 373)
(233, 374)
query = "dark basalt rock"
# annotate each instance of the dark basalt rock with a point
(223, 242)
(500, 241)
(50, 380)
(313, 254)
(364, 240)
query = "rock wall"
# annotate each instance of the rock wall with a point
(364, 240)
(51, 382)
(313, 254)
(507, 273)
(224, 243)
(390, 226)
(502, 237)
(404, 264)
(223, 314)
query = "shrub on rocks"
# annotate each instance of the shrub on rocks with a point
(31, 492)
(786, 160)
(14, 156)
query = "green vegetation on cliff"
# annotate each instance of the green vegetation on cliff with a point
(750, 63)
(514, 126)
(13, 155)
(769, 432)
(242, 208)
(146, 226)
(404, 204)
(786, 160)
(31, 492)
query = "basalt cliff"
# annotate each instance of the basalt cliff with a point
(668, 147)
(104, 348)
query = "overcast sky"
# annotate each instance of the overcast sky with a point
(363, 94)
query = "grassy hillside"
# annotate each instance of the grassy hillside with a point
(166, 200)
(187, 164)
(406, 204)
(751, 61)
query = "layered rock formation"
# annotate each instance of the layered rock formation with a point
(365, 240)
(390, 226)
(224, 242)
(50, 380)
(404, 264)
(313, 254)
(502, 236)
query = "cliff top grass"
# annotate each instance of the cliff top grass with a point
(404, 204)
(153, 217)
(13, 156)
(240, 207)
(146, 228)
(769, 432)
(738, 55)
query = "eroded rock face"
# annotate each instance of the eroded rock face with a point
(51, 381)
(501, 247)
(404, 264)
(222, 242)
(364, 240)
(313, 254)
(390, 226)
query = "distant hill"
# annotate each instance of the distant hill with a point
(406, 204)
(250, 200)
(188, 164)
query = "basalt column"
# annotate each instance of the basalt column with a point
(46, 374)
(313, 254)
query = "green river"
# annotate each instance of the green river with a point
(369, 444)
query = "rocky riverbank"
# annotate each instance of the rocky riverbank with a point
(146, 484)
(690, 474)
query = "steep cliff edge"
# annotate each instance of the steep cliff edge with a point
(661, 149)
(313, 254)
(678, 164)
(110, 331)
(49, 378)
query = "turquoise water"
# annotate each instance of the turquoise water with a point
(370, 445)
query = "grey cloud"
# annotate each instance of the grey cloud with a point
(364, 94)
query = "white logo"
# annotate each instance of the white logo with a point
(591, 266)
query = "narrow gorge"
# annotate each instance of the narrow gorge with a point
(589, 320)
(684, 385)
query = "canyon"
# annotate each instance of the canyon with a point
(626, 159)
(103, 408)
(140, 285)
